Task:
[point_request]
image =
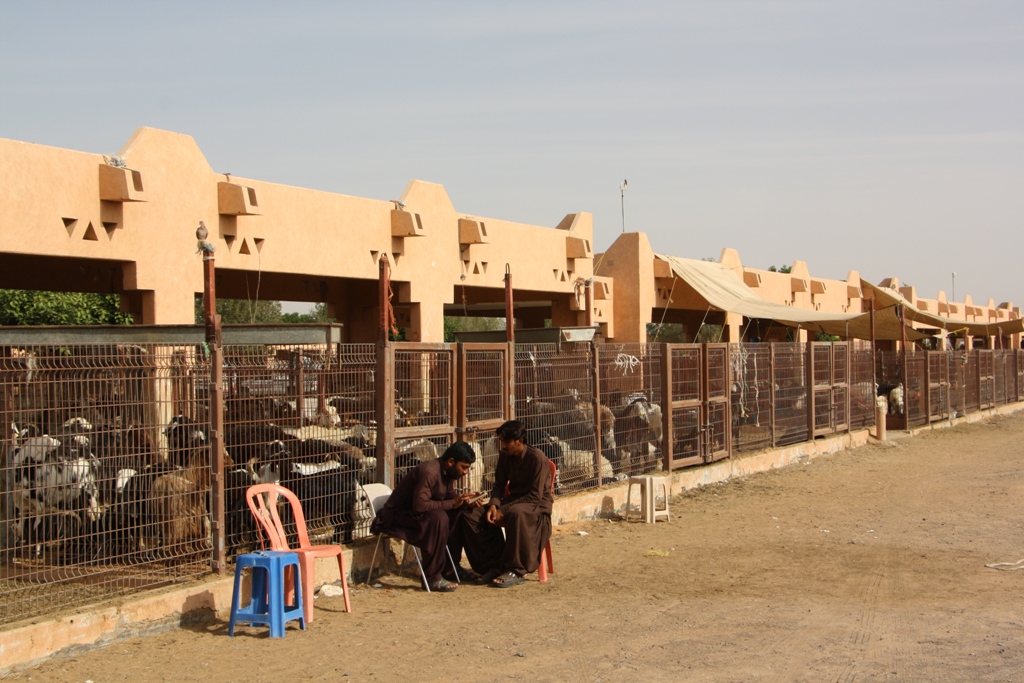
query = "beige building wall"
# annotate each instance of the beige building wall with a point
(71, 221)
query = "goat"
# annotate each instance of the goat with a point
(637, 423)
(565, 418)
(184, 436)
(54, 490)
(894, 393)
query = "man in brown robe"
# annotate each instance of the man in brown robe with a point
(524, 510)
(423, 507)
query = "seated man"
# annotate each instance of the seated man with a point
(525, 512)
(423, 507)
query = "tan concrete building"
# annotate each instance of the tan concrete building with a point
(75, 221)
(72, 221)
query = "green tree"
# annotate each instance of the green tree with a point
(25, 307)
(453, 324)
(783, 269)
(242, 311)
(317, 314)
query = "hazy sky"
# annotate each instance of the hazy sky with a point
(886, 137)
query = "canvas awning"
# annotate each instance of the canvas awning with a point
(891, 297)
(724, 290)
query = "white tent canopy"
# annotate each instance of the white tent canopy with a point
(724, 290)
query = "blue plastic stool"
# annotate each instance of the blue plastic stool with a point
(266, 605)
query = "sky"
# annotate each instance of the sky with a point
(883, 137)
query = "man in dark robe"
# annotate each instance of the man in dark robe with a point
(521, 502)
(423, 507)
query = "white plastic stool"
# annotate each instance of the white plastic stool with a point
(648, 484)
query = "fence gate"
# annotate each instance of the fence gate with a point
(1019, 372)
(986, 378)
(830, 368)
(938, 385)
(697, 390)
(483, 389)
(423, 402)
(484, 396)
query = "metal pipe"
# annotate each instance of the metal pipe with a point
(218, 561)
(589, 299)
(384, 385)
(595, 378)
(510, 321)
(383, 299)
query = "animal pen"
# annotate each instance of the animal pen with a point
(111, 482)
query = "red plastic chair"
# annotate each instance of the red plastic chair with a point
(545, 553)
(264, 509)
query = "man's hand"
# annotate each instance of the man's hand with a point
(462, 498)
(494, 515)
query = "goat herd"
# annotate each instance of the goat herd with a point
(80, 494)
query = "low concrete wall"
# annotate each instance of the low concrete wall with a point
(29, 644)
(611, 500)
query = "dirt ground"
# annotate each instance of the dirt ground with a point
(868, 565)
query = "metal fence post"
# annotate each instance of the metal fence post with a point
(595, 379)
(977, 376)
(510, 381)
(384, 380)
(771, 387)
(811, 426)
(218, 561)
(667, 439)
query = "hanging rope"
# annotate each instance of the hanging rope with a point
(702, 324)
(661, 324)
(389, 320)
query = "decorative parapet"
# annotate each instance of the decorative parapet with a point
(237, 200)
(120, 184)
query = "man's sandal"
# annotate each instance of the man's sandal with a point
(464, 575)
(488, 576)
(507, 580)
(443, 586)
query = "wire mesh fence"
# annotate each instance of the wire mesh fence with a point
(301, 416)
(986, 378)
(751, 395)
(862, 387)
(972, 389)
(424, 404)
(555, 400)
(106, 481)
(914, 397)
(938, 385)
(630, 411)
(789, 377)
(106, 477)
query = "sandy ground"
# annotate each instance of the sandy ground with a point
(868, 565)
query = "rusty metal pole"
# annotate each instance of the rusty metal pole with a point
(589, 299)
(906, 368)
(871, 325)
(666, 404)
(510, 340)
(510, 320)
(874, 376)
(218, 562)
(384, 386)
(595, 378)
